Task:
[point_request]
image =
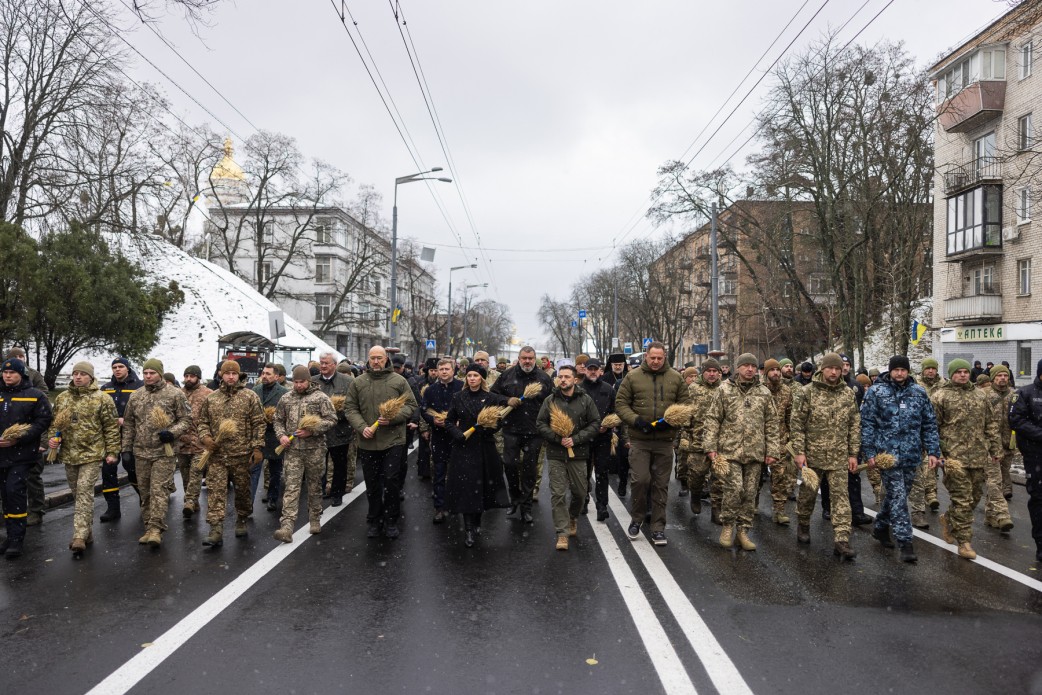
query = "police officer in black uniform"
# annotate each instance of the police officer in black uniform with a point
(1025, 418)
(123, 383)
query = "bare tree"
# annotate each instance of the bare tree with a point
(556, 317)
(188, 155)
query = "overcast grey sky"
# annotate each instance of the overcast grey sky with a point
(556, 113)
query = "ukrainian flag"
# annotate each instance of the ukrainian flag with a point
(397, 314)
(918, 330)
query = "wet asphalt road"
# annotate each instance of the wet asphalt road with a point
(341, 613)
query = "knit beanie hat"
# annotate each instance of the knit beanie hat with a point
(301, 373)
(747, 358)
(999, 369)
(864, 380)
(478, 369)
(899, 362)
(15, 365)
(481, 355)
(230, 366)
(807, 367)
(784, 361)
(930, 362)
(957, 364)
(771, 364)
(344, 368)
(85, 367)
(689, 372)
(152, 363)
(983, 379)
(873, 372)
(194, 370)
(710, 364)
(122, 360)
(831, 359)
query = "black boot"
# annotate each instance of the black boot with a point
(908, 553)
(882, 535)
(468, 539)
(13, 549)
(112, 513)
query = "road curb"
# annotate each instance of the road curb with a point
(64, 495)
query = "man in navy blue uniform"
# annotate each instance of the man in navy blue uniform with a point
(1025, 418)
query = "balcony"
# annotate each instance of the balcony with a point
(973, 106)
(959, 177)
(978, 308)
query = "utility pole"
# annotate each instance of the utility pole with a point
(715, 280)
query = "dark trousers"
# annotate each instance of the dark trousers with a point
(1033, 474)
(409, 435)
(423, 458)
(338, 458)
(600, 461)
(520, 456)
(274, 480)
(857, 507)
(441, 448)
(382, 470)
(34, 485)
(110, 476)
(15, 498)
(622, 463)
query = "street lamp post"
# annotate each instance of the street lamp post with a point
(448, 343)
(466, 307)
(419, 176)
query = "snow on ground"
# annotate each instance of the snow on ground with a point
(878, 347)
(216, 303)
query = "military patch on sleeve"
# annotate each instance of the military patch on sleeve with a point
(1014, 398)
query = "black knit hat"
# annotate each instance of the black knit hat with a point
(899, 362)
(194, 370)
(15, 365)
(475, 367)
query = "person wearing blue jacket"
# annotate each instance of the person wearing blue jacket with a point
(898, 418)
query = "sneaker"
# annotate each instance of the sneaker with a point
(658, 538)
(633, 532)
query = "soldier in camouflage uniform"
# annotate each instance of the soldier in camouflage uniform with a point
(924, 489)
(154, 468)
(783, 472)
(681, 444)
(999, 482)
(235, 455)
(969, 433)
(189, 450)
(306, 454)
(701, 390)
(826, 435)
(742, 426)
(92, 436)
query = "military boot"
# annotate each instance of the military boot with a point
(13, 548)
(240, 528)
(966, 550)
(78, 545)
(803, 533)
(780, 517)
(744, 540)
(882, 534)
(715, 516)
(919, 520)
(946, 532)
(843, 549)
(215, 539)
(696, 501)
(562, 542)
(316, 527)
(151, 538)
(727, 536)
(933, 503)
(908, 553)
(284, 534)
(573, 528)
(189, 510)
(111, 512)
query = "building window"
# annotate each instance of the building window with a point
(263, 271)
(377, 285)
(728, 284)
(323, 303)
(975, 220)
(323, 268)
(984, 281)
(1026, 54)
(1025, 136)
(819, 284)
(1024, 276)
(1023, 205)
(268, 233)
(323, 232)
(987, 64)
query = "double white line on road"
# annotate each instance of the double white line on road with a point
(132, 672)
(675, 679)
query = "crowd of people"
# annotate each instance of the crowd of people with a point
(486, 433)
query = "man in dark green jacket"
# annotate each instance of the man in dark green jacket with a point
(642, 400)
(382, 439)
(568, 454)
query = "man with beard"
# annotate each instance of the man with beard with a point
(702, 390)
(189, 449)
(603, 396)
(783, 472)
(521, 441)
(924, 489)
(999, 482)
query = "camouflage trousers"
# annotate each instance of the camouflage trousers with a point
(739, 494)
(683, 466)
(698, 470)
(965, 491)
(154, 476)
(995, 507)
(218, 472)
(295, 466)
(783, 481)
(924, 490)
(191, 479)
(839, 501)
(82, 480)
(893, 512)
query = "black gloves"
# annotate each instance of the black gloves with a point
(644, 426)
(166, 436)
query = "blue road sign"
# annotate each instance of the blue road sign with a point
(582, 313)
(432, 344)
(700, 349)
(645, 343)
(575, 324)
(627, 349)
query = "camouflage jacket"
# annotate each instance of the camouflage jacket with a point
(825, 424)
(93, 432)
(1000, 403)
(899, 419)
(701, 395)
(188, 443)
(932, 386)
(741, 423)
(783, 398)
(968, 428)
(240, 405)
(293, 406)
(139, 434)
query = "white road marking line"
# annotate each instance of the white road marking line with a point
(144, 662)
(663, 656)
(722, 671)
(982, 561)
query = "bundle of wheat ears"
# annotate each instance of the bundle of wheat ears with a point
(676, 415)
(61, 421)
(389, 409)
(884, 462)
(225, 431)
(531, 391)
(954, 467)
(611, 421)
(721, 466)
(15, 432)
(810, 478)
(488, 417)
(614, 443)
(269, 414)
(561, 424)
(437, 414)
(338, 403)
(308, 422)
(158, 419)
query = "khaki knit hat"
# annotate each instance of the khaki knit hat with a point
(689, 372)
(301, 373)
(154, 364)
(999, 369)
(85, 367)
(771, 364)
(710, 364)
(230, 366)
(929, 363)
(831, 359)
(481, 355)
(747, 358)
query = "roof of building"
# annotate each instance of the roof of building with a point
(1017, 22)
(227, 168)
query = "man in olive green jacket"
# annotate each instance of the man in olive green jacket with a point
(382, 439)
(642, 400)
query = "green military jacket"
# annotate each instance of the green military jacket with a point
(967, 425)
(645, 394)
(585, 418)
(701, 396)
(139, 434)
(241, 405)
(783, 397)
(94, 431)
(1000, 402)
(932, 386)
(742, 423)
(364, 396)
(825, 424)
(293, 406)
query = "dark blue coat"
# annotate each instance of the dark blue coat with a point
(1025, 417)
(22, 404)
(121, 390)
(899, 419)
(438, 396)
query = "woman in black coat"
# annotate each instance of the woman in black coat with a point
(476, 480)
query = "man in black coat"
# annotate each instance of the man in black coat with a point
(1025, 417)
(338, 438)
(20, 403)
(603, 396)
(437, 397)
(123, 383)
